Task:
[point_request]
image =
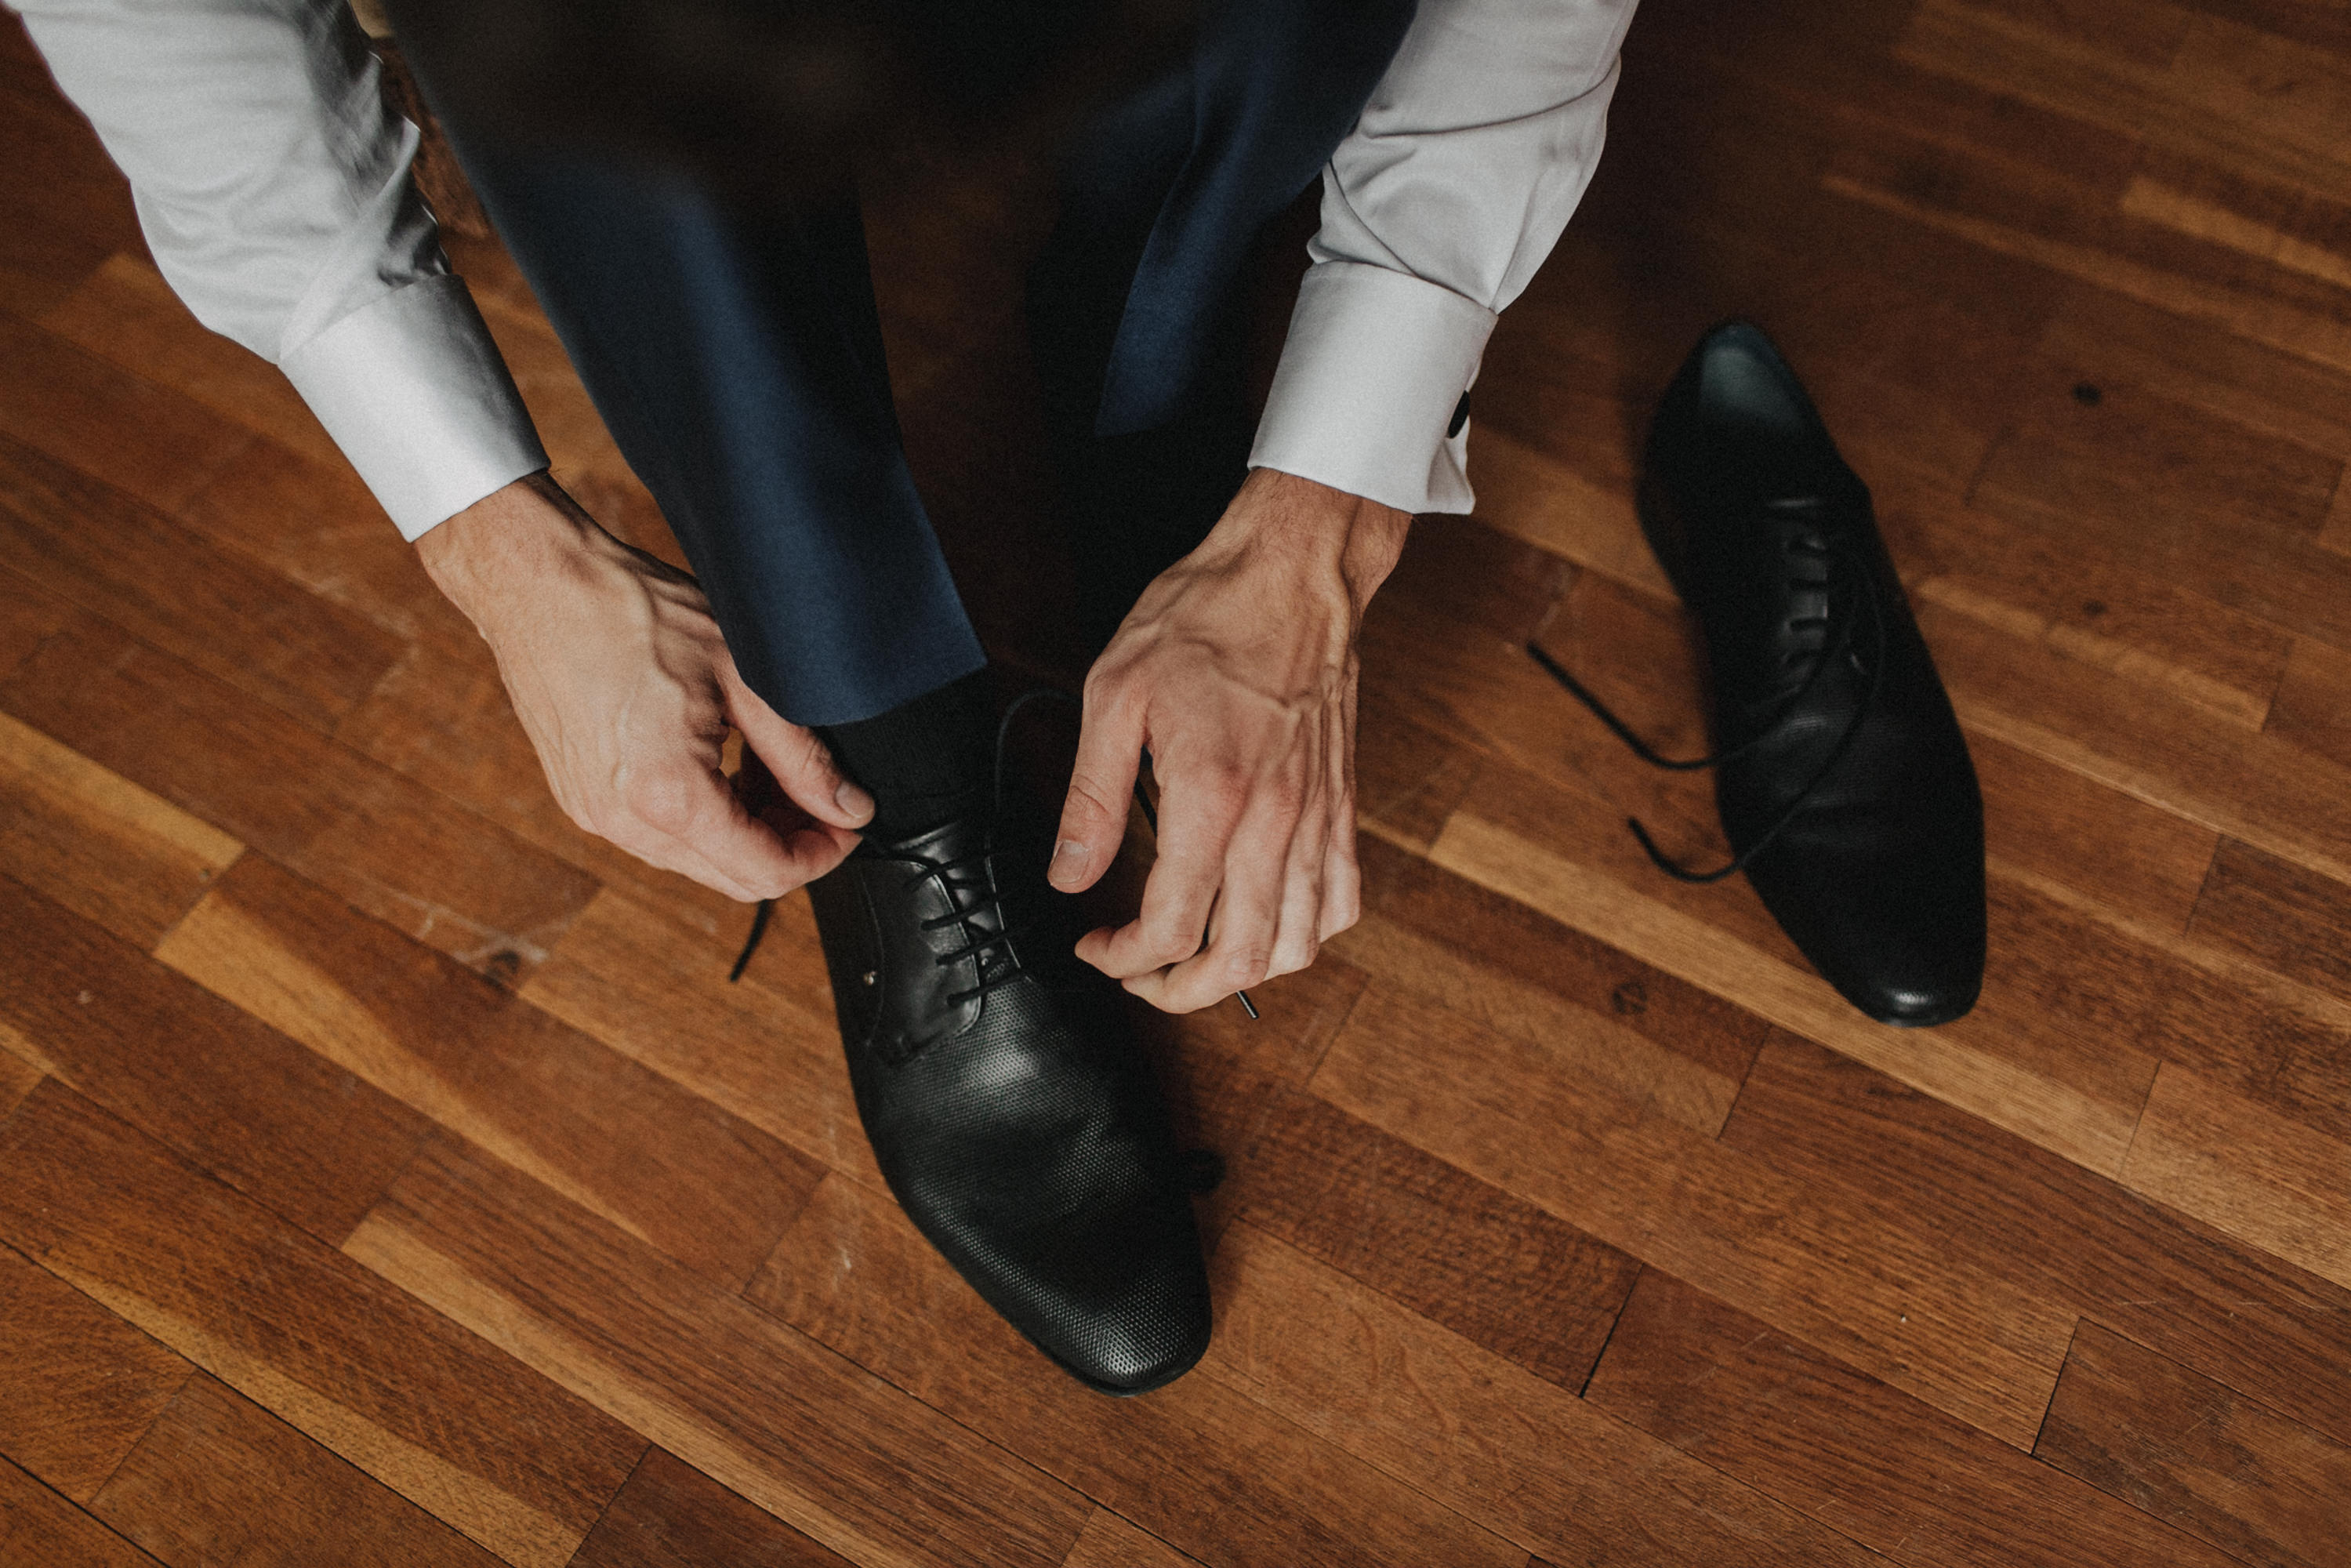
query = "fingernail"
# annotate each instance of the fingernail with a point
(1069, 860)
(854, 801)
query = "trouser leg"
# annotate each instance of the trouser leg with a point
(737, 358)
(1136, 313)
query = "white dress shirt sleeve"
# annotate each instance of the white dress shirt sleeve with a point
(1437, 210)
(274, 189)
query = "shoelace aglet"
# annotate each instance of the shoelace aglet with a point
(1248, 1006)
(751, 944)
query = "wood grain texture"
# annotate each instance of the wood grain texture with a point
(29, 616)
(1110, 1541)
(670, 1515)
(174, 590)
(2278, 915)
(1528, 1460)
(1859, 1274)
(1785, 1417)
(37, 1526)
(2234, 1164)
(670, 1168)
(299, 1135)
(2313, 706)
(18, 1077)
(436, 1413)
(124, 312)
(379, 840)
(2060, 1233)
(78, 411)
(2196, 1454)
(1494, 1269)
(219, 1482)
(2015, 1064)
(108, 850)
(1198, 1463)
(82, 1384)
(831, 1449)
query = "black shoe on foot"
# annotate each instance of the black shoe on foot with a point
(1845, 785)
(1009, 1103)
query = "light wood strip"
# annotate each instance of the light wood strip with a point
(98, 843)
(2093, 1130)
(1110, 1541)
(2246, 1169)
(830, 1449)
(433, 1412)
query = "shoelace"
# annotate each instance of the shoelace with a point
(978, 940)
(1812, 544)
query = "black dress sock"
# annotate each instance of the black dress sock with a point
(925, 762)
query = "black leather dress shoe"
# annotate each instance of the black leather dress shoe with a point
(1845, 785)
(1008, 1105)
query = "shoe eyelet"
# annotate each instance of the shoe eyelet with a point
(871, 976)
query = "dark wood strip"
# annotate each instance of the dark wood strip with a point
(382, 841)
(1471, 1257)
(219, 1482)
(2313, 706)
(2196, 1453)
(2283, 918)
(82, 1384)
(1524, 1458)
(841, 1455)
(1802, 1425)
(299, 1135)
(436, 1413)
(1110, 1541)
(1863, 1275)
(39, 1527)
(1197, 1464)
(670, 1515)
(2145, 1270)
(78, 411)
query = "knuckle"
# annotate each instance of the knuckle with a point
(662, 800)
(1246, 968)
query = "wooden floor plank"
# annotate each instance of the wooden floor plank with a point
(297, 1135)
(826, 1447)
(2195, 1454)
(116, 558)
(18, 1077)
(670, 1515)
(1491, 1268)
(1197, 1464)
(665, 1165)
(1861, 1275)
(82, 1384)
(2013, 1062)
(29, 616)
(1802, 1425)
(382, 841)
(1652, 1037)
(2067, 1235)
(2282, 916)
(2245, 1169)
(436, 1413)
(2313, 706)
(37, 1526)
(1528, 1460)
(110, 851)
(1110, 1541)
(78, 411)
(219, 1482)
(124, 312)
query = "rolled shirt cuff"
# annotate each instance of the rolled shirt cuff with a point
(1377, 362)
(415, 393)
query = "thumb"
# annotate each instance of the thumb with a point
(1094, 817)
(802, 766)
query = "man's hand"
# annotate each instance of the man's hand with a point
(626, 688)
(1236, 668)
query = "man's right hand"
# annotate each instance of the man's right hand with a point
(626, 689)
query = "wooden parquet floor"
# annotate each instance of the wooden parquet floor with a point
(388, 1175)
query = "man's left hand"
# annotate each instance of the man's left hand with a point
(1236, 669)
